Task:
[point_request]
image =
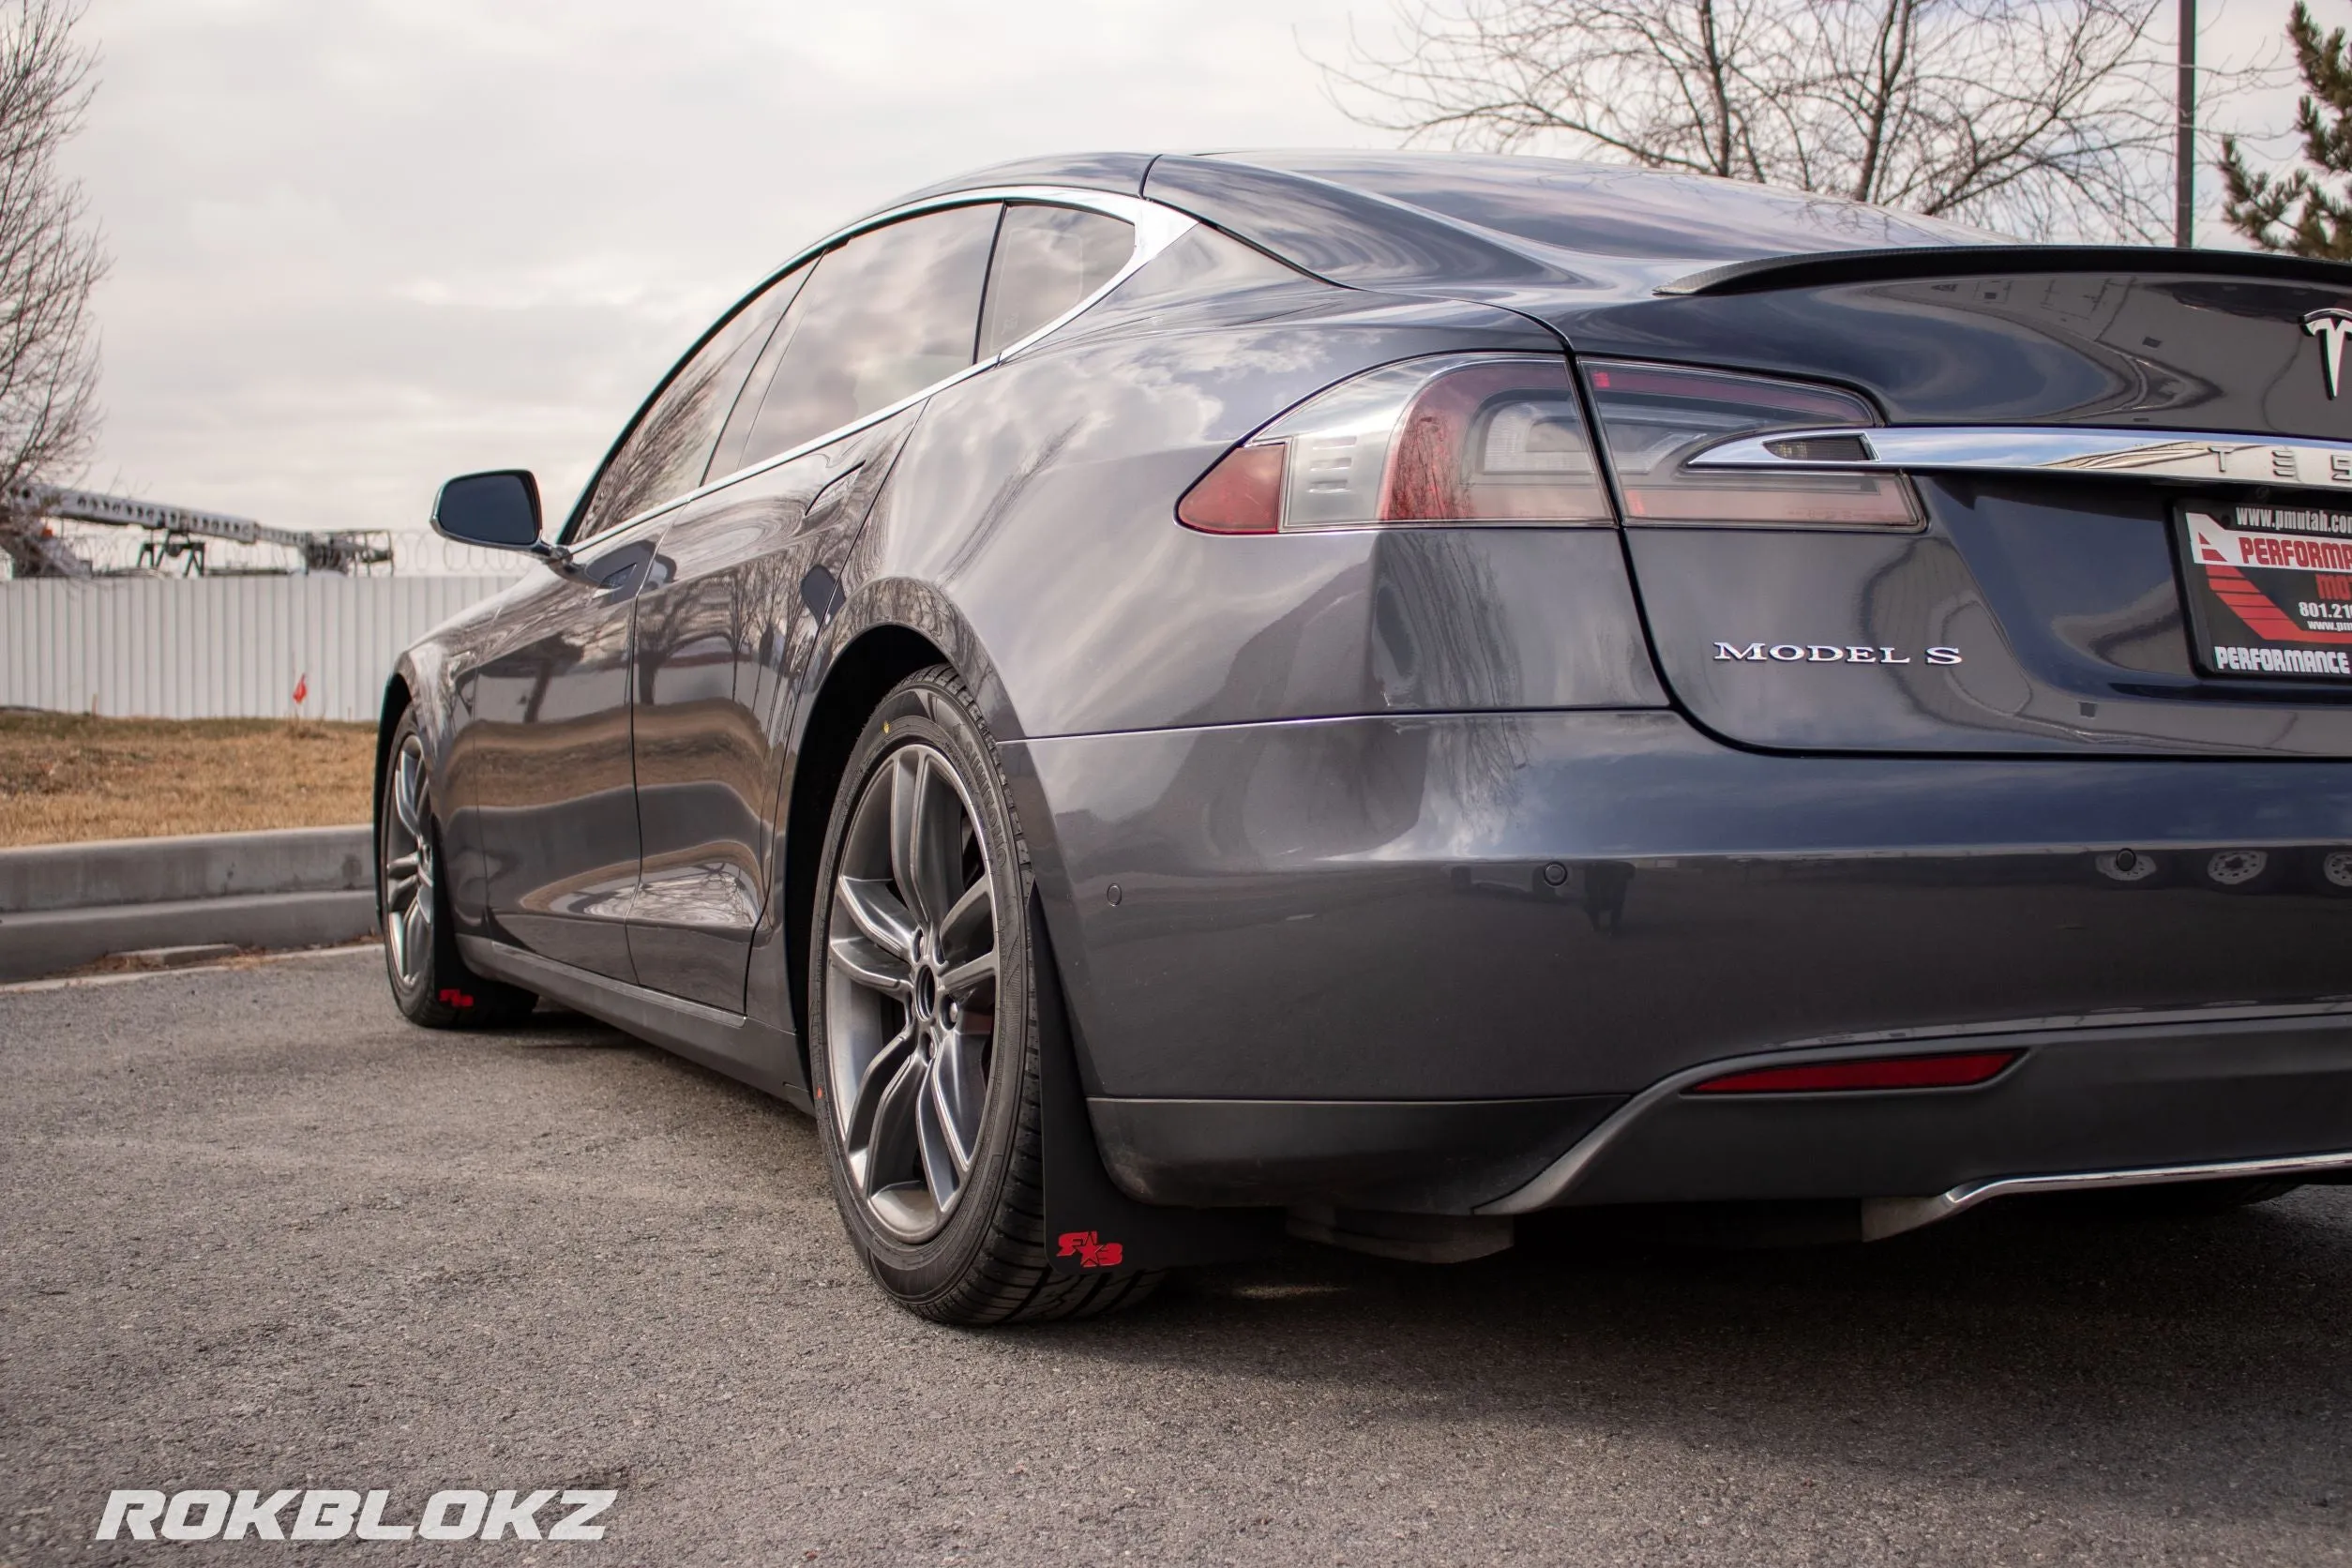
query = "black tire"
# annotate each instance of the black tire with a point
(431, 983)
(969, 1246)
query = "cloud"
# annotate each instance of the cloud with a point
(363, 246)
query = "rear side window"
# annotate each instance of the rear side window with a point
(886, 314)
(1047, 259)
(667, 450)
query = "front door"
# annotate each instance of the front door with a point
(749, 572)
(551, 774)
(552, 767)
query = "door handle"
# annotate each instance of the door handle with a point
(829, 500)
(641, 570)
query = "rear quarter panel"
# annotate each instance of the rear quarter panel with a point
(1040, 500)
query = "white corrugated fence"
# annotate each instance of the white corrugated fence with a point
(217, 647)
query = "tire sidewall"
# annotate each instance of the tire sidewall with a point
(930, 709)
(415, 1000)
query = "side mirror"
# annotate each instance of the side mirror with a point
(498, 510)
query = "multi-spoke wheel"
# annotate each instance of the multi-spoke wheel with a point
(430, 981)
(408, 863)
(911, 991)
(922, 1033)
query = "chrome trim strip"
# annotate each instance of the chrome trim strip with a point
(1157, 228)
(1892, 1217)
(2305, 461)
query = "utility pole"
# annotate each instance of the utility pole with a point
(2184, 178)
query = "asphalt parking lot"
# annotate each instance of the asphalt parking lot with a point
(261, 1234)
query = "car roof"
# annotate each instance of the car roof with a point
(1399, 218)
(1616, 210)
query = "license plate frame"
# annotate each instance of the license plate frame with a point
(2252, 574)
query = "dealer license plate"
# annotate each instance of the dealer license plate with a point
(2270, 588)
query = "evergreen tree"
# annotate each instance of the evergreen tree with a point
(2301, 211)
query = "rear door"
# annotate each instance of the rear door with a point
(749, 572)
(2062, 511)
(549, 752)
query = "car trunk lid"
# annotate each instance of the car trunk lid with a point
(2109, 423)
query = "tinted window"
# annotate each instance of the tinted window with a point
(736, 434)
(669, 449)
(887, 314)
(1047, 259)
(1608, 210)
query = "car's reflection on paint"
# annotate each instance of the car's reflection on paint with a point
(2322, 868)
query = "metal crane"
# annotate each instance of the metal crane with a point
(174, 532)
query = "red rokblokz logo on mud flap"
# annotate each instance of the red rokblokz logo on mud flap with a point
(1090, 1250)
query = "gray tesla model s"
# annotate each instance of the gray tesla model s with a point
(1179, 702)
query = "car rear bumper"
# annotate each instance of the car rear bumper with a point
(1439, 911)
(2148, 1099)
(2141, 1096)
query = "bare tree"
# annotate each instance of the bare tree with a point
(2045, 118)
(50, 257)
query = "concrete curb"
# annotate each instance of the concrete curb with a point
(66, 905)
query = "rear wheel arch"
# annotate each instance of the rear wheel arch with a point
(398, 699)
(855, 682)
(431, 984)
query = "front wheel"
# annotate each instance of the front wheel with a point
(431, 983)
(923, 1037)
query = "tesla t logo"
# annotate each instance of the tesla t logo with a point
(2328, 327)
(1090, 1250)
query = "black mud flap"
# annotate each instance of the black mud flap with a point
(1091, 1226)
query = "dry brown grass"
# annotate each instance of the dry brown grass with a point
(65, 776)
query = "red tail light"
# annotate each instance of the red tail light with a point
(1654, 419)
(1885, 1072)
(1242, 495)
(1453, 439)
(1501, 439)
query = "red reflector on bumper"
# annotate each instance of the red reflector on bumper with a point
(1885, 1072)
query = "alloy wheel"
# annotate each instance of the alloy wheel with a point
(911, 991)
(408, 865)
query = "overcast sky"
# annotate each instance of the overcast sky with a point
(361, 244)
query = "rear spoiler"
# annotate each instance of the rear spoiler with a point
(1824, 267)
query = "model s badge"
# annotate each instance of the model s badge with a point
(2328, 327)
(1823, 653)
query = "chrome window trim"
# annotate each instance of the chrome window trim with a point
(1157, 228)
(2305, 462)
